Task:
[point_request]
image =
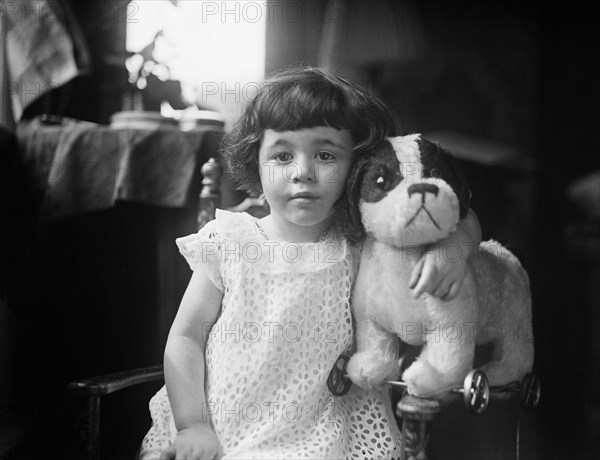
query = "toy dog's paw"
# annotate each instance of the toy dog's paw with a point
(422, 379)
(369, 370)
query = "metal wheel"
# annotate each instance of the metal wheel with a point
(476, 391)
(338, 382)
(530, 391)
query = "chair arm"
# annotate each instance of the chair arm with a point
(109, 383)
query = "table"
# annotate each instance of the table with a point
(78, 166)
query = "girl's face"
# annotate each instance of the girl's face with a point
(304, 172)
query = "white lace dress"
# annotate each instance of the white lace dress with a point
(285, 319)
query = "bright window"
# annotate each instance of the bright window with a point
(216, 49)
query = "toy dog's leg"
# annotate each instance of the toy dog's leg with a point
(440, 367)
(505, 286)
(376, 357)
(448, 352)
(512, 355)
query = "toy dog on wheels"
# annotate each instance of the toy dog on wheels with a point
(402, 198)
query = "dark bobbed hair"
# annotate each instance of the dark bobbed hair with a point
(300, 97)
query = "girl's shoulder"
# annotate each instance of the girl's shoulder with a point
(234, 226)
(226, 229)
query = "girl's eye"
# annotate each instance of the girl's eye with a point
(325, 156)
(283, 156)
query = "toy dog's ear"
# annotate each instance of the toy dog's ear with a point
(348, 215)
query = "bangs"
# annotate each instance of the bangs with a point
(297, 107)
(289, 103)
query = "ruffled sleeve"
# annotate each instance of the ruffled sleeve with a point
(204, 249)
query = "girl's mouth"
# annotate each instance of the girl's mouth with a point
(303, 197)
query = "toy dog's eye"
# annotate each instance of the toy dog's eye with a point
(383, 182)
(378, 181)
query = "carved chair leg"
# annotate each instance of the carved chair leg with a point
(416, 414)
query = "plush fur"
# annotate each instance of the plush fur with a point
(402, 197)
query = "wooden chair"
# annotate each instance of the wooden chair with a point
(87, 394)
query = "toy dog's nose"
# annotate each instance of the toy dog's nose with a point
(422, 189)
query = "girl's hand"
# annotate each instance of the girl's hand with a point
(437, 275)
(194, 443)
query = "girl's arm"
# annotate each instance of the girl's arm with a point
(185, 367)
(441, 271)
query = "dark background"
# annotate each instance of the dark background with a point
(516, 76)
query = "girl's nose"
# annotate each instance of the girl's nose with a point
(303, 171)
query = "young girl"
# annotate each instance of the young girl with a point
(267, 311)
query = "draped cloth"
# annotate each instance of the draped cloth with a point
(42, 49)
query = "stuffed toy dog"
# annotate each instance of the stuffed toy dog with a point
(404, 196)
